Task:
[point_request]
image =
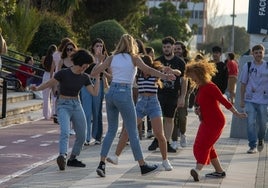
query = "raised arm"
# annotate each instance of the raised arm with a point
(151, 71)
(49, 83)
(100, 67)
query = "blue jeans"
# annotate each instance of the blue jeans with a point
(70, 110)
(92, 106)
(97, 128)
(256, 122)
(87, 100)
(119, 99)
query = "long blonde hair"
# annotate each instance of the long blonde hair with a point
(127, 44)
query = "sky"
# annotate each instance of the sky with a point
(226, 8)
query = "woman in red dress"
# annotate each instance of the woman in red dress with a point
(212, 120)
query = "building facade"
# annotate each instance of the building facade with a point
(198, 16)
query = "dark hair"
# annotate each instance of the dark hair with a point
(63, 42)
(81, 57)
(27, 59)
(258, 47)
(98, 40)
(216, 49)
(183, 47)
(148, 50)
(64, 52)
(49, 57)
(231, 55)
(168, 39)
(153, 64)
(141, 47)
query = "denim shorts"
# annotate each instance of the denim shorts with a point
(148, 105)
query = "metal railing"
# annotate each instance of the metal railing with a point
(4, 92)
(11, 65)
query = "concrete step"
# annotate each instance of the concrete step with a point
(13, 97)
(21, 108)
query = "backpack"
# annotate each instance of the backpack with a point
(249, 64)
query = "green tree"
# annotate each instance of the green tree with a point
(51, 30)
(60, 6)
(7, 8)
(93, 11)
(109, 31)
(222, 36)
(20, 27)
(165, 21)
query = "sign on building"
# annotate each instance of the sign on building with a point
(258, 17)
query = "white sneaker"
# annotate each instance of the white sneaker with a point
(183, 141)
(72, 132)
(112, 159)
(166, 164)
(252, 150)
(174, 145)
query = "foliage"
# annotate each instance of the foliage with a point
(165, 21)
(20, 27)
(60, 6)
(7, 8)
(91, 12)
(51, 30)
(157, 46)
(110, 31)
(222, 36)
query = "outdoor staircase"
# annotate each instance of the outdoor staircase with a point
(22, 107)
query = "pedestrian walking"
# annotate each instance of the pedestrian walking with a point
(254, 98)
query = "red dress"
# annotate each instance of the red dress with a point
(212, 122)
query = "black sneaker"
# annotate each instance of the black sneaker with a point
(170, 149)
(260, 146)
(194, 173)
(55, 119)
(101, 169)
(216, 175)
(147, 169)
(75, 163)
(61, 161)
(154, 145)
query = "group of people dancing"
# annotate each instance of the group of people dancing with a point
(163, 86)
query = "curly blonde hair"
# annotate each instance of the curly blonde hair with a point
(203, 69)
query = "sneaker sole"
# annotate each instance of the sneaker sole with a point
(100, 173)
(195, 175)
(111, 161)
(151, 172)
(61, 163)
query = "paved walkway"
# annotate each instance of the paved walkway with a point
(243, 170)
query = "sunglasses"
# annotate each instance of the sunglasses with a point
(69, 49)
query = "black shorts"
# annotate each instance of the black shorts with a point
(168, 105)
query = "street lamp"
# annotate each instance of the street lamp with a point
(233, 27)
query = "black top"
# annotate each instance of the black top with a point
(221, 77)
(172, 88)
(71, 83)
